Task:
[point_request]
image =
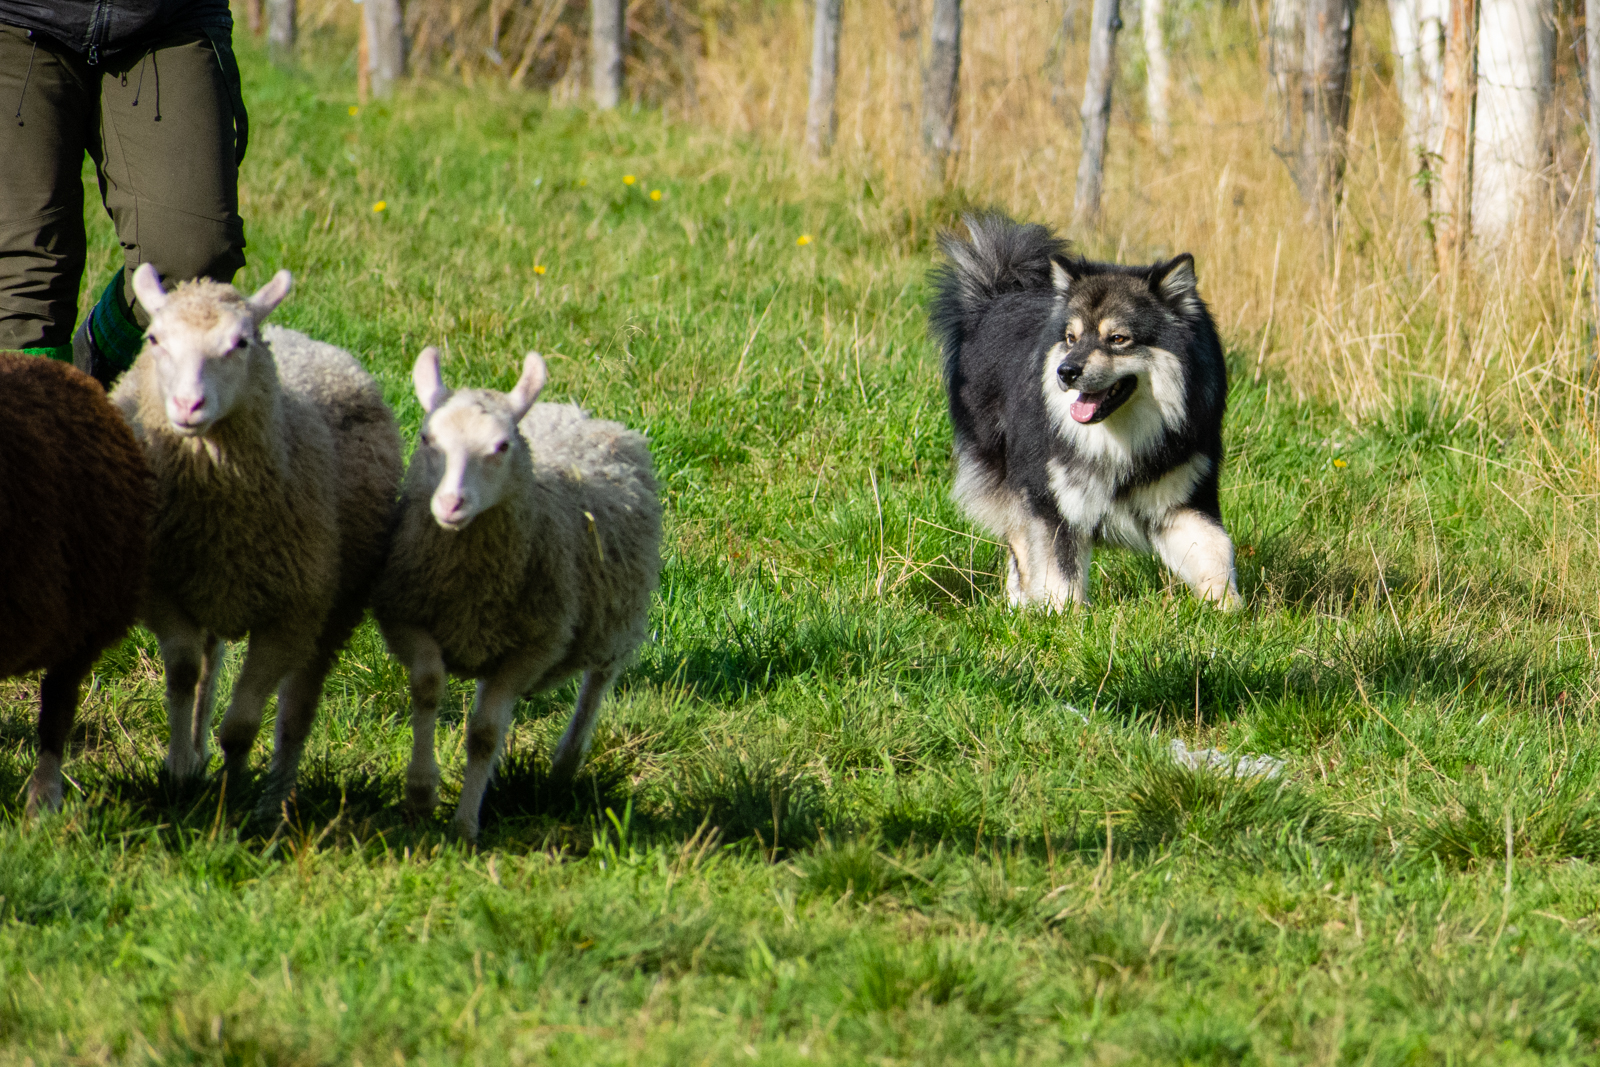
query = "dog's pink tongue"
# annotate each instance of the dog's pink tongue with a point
(1086, 405)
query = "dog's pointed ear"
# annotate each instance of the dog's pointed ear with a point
(1174, 281)
(526, 391)
(269, 296)
(147, 287)
(427, 381)
(1064, 273)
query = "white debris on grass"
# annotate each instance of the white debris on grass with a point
(1238, 766)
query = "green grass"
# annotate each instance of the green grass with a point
(847, 807)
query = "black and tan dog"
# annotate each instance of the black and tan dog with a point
(1087, 402)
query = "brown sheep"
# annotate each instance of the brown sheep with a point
(75, 498)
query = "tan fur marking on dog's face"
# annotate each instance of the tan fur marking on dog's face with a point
(1112, 332)
(1074, 330)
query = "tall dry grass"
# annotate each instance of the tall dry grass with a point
(1356, 316)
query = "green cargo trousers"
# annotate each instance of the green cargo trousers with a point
(160, 127)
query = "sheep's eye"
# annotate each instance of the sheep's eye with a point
(427, 440)
(502, 448)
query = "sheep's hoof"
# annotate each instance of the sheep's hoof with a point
(44, 796)
(182, 769)
(422, 798)
(277, 797)
(466, 830)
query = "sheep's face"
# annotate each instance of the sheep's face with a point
(200, 339)
(470, 443)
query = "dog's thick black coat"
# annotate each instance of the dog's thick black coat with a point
(1016, 317)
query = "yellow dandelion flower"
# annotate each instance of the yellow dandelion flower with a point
(538, 268)
(655, 194)
(353, 111)
(582, 182)
(628, 179)
(803, 240)
(381, 205)
(1341, 464)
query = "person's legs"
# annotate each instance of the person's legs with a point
(170, 181)
(49, 104)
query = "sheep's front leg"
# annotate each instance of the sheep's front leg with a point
(486, 727)
(58, 705)
(271, 656)
(574, 744)
(183, 648)
(212, 651)
(425, 664)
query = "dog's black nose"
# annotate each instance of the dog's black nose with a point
(1068, 373)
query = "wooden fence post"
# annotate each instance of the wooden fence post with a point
(941, 86)
(386, 44)
(822, 116)
(1103, 26)
(281, 19)
(605, 51)
(1453, 222)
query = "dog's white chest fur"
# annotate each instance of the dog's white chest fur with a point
(1087, 499)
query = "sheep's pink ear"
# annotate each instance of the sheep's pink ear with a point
(147, 287)
(425, 379)
(270, 295)
(526, 391)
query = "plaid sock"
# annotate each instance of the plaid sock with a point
(61, 352)
(116, 335)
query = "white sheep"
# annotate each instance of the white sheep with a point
(277, 465)
(526, 551)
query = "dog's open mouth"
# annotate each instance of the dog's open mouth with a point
(1094, 407)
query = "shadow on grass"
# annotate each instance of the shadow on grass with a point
(1187, 682)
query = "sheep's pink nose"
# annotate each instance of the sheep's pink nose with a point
(448, 503)
(188, 406)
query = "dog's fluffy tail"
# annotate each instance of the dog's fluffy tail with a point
(1002, 256)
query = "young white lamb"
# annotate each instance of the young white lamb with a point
(519, 559)
(277, 464)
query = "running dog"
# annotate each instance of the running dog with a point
(1087, 402)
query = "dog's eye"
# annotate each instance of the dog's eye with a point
(1119, 339)
(1072, 338)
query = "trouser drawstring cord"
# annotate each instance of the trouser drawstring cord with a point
(25, 79)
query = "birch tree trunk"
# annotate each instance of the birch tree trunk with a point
(1104, 23)
(281, 19)
(386, 44)
(1157, 75)
(1453, 205)
(1327, 102)
(605, 51)
(1516, 60)
(941, 86)
(1591, 30)
(822, 116)
(1418, 30)
(253, 17)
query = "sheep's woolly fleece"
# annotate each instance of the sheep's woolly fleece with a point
(75, 499)
(282, 507)
(572, 554)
